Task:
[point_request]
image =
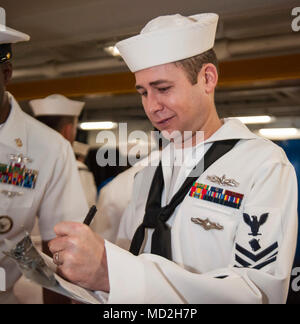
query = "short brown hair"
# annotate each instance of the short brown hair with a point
(193, 65)
(56, 122)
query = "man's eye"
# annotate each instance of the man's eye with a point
(142, 93)
(163, 89)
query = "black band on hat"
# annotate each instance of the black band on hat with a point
(5, 52)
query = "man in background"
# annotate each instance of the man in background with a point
(59, 113)
(38, 174)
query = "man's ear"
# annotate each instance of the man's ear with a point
(209, 75)
(7, 72)
(66, 131)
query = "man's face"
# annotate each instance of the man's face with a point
(170, 101)
(69, 128)
(2, 85)
(5, 76)
(75, 125)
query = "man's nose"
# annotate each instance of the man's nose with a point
(153, 104)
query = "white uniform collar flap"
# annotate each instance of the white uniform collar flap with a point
(232, 129)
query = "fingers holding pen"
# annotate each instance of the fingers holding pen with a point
(80, 255)
(69, 228)
(68, 237)
(64, 245)
(58, 244)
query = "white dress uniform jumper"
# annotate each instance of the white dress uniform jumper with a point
(233, 237)
(38, 176)
(228, 237)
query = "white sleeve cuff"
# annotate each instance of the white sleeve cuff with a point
(126, 276)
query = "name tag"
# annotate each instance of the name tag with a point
(216, 195)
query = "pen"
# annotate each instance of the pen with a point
(89, 217)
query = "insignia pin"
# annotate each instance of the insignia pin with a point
(207, 224)
(19, 158)
(11, 194)
(223, 181)
(19, 142)
(6, 224)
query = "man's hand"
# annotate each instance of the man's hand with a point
(80, 255)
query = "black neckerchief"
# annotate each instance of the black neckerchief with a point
(157, 216)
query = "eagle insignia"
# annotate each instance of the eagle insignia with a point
(255, 223)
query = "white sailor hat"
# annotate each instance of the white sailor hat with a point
(8, 35)
(81, 148)
(56, 105)
(168, 39)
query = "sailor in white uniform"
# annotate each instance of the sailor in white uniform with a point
(225, 234)
(86, 176)
(38, 174)
(59, 113)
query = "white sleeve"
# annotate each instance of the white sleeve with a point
(263, 275)
(64, 199)
(88, 186)
(111, 206)
(113, 201)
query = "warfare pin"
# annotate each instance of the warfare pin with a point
(207, 224)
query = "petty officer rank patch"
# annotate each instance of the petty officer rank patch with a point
(216, 195)
(18, 175)
(263, 252)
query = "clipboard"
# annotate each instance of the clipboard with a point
(40, 269)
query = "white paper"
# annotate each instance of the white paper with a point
(67, 288)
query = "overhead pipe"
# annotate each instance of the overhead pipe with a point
(53, 70)
(225, 49)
